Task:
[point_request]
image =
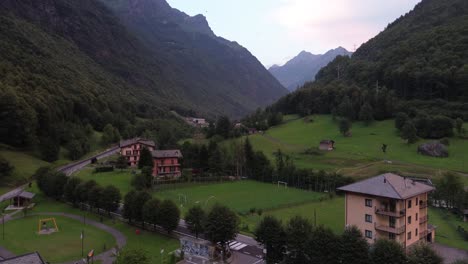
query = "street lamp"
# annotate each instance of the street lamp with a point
(162, 252)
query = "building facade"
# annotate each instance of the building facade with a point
(131, 149)
(167, 163)
(389, 206)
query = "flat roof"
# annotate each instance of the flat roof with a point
(389, 185)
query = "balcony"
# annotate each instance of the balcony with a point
(423, 234)
(423, 219)
(423, 205)
(389, 229)
(383, 211)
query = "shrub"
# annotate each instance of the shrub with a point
(103, 169)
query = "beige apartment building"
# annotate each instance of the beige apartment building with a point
(389, 206)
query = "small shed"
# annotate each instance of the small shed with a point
(20, 199)
(327, 145)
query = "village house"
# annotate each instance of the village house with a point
(19, 200)
(197, 122)
(131, 149)
(389, 206)
(327, 145)
(167, 163)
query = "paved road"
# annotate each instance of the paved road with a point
(71, 168)
(450, 254)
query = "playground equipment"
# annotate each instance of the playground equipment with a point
(44, 229)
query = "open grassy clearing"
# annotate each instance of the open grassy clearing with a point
(120, 179)
(359, 155)
(25, 164)
(239, 196)
(21, 237)
(446, 232)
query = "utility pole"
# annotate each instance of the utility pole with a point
(82, 243)
(3, 226)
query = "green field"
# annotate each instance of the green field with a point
(148, 241)
(446, 225)
(240, 196)
(21, 237)
(120, 179)
(25, 164)
(359, 155)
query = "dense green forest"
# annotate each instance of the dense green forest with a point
(419, 62)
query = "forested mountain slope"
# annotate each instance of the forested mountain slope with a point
(420, 58)
(67, 67)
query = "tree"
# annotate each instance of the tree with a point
(223, 126)
(195, 219)
(366, 114)
(169, 215)
(345, 126)
(400, 120)
(146, 159)
(409, 133)
(353, 248)
(270, 233)
(69, 189)
(49, 148)
(249, 157)
(222, 226)
(387, 251)
(423, 254)
(151, 211)
(143, 180)
(110, 198)
(322, 246)
(346, 109)
(459, 126)
(137, 208)
(6, 169)
(129, 201)
(133, 256)
(110, 135)
(298, 231)
(121, 163)
(94, 196)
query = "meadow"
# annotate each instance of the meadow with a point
(359, 155)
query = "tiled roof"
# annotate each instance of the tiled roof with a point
(388, 185)
(133, 141)
(31, 258)
(175, 153)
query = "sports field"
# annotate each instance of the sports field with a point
(240, 196)
(21, 237)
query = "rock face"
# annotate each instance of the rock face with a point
(433, 149)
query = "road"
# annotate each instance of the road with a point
(73, 167)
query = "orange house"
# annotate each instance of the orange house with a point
(389, 206)
(167, 163)
(131, 149)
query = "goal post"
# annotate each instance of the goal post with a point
(285, 184)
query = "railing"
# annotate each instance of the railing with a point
(423, 219)
(389, 229)
(423, 205)
(383, 211)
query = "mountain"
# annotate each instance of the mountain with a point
(214, 72)
(418, 64)
(304, 67)
(66, 65)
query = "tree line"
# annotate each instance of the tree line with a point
(299, 242)
(238, 158)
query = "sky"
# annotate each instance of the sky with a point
(277, 30)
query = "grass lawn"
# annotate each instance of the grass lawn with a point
(362, 151)
(239, 196)
(446, 231)
(21, 237)
(148, 241)
(329, 213)
(25, 163)
(120, 179)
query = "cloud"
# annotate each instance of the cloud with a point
(326, 24)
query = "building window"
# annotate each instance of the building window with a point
(391, 236)
(409, 219)
(417, 217)
(368, 234)
(409, 235)
(369, 202)
(409, 204)
(416, 233)
(128, 153)
(368, 218)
